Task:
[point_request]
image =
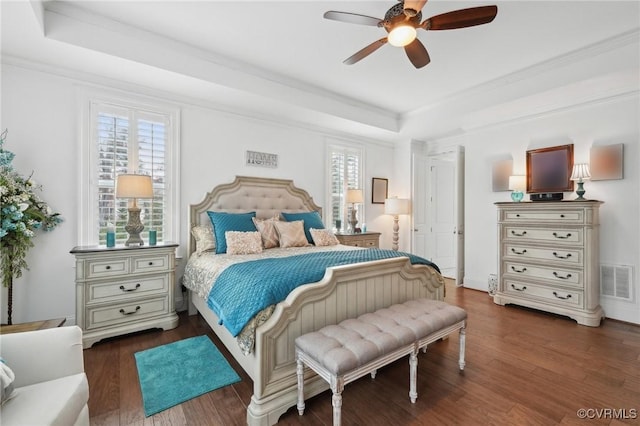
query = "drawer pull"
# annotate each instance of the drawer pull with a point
(519, 235)
(555, 234)
(107, 267)
(129, 313)
(150, 263)
(519, 252)
(555, 274)
(518, 215)
(562, 257)
(562, 215)
(568, 296)
(519, 289)
(519, 271)
(130, 289)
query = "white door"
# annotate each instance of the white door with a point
(420, 206)
(442, 215)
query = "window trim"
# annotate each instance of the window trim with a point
(87, 197)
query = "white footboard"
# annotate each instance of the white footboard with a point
(345, 292)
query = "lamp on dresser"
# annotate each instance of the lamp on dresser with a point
(580, 172)
(133, 186)
(517, 185)
(354, 196)
(396, 207)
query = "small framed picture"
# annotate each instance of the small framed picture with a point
(379, 190)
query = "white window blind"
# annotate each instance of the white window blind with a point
(345, 173)
(129, 139)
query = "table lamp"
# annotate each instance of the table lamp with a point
(396, 207)
(354, 196)
(580, 172)
(517, 185)
(134, 186)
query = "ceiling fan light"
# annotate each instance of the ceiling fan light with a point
(402, 35)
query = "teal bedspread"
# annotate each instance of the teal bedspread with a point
(244, 289)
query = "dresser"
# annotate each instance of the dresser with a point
(549, 258)
(124, 289)
(362, 239)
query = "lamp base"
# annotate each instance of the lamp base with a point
(134, 227)
(580, 191)
(517, 196)
(353, 220)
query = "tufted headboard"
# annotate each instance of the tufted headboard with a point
(265, 196)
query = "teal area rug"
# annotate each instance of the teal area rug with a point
(177, 372)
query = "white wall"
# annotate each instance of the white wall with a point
(606, 122)
(40, 110)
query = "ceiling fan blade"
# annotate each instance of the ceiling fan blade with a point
(417, 53)
(363, 53)
(413, 7)
(461, 18)
(352, 18)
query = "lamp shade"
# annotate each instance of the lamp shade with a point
(134, 186)
(396, 206)
(580, 171)
(517, 183)
(354, 196)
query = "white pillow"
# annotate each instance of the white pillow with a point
(205, 240)
(243, 242)
(323, 237)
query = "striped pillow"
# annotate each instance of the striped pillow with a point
(291, 234)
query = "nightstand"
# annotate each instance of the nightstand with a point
(122, 289)
(363, 239)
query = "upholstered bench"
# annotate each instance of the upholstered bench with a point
(353, 348)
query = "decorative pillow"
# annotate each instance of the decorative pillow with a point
(291, 234)
(311, 220)
(223, 222)
(243, 242)
(205, 240)
(267, 231)
(323, 237)
(6, 381)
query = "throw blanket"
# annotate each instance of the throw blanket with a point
(244, 289)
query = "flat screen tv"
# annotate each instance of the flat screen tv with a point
(549, 170)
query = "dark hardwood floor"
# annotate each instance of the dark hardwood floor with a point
(523, 367)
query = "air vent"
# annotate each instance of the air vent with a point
(615, 281)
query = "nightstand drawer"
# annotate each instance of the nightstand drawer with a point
(110, 291)
(104, 316)
(107, 268)
(574, 298)
(150, 263)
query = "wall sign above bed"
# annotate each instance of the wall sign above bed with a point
(262, 159)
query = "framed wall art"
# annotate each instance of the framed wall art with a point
(379, 190)
(606, 162)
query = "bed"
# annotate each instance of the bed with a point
(345, 291)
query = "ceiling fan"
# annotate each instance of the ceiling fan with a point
(402, 22)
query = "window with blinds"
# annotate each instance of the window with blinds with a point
(346, 173)
(126, 139)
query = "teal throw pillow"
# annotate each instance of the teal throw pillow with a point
(310, 219)
(223, 222)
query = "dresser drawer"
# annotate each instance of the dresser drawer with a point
(109, 291)
(573, 298)
(132, 311)
(560, 236)
(150, 263)
(98, 268)
(556, 216)
(558, 276)
(571, 256)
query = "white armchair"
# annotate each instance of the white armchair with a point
(51, 387)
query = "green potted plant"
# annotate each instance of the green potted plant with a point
(23, 213)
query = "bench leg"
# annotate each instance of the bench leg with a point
(300, 371)
(413, 374)
(463, 332)
(373, 374)
(336, 401)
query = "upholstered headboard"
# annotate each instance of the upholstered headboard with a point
(265, 196)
